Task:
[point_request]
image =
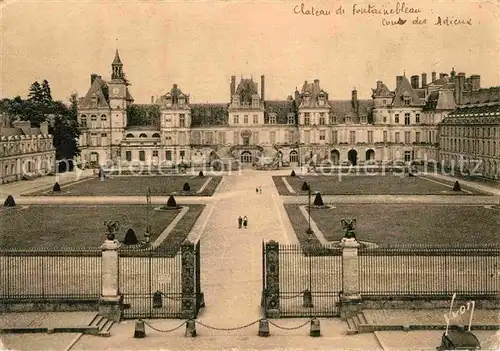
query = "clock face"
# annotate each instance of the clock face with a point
(116, 91)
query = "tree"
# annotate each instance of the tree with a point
(292, 174)
(9, 202)
(130, 237)
(171, 202)
(305, 186)
(45, 92)
(186, 187)
(56, 187)
(35, 92)
(456, 186)
(318, 200)
(201, 174)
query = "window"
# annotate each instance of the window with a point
(307, 119)
(103, 118)
(168, 140)
(307, 137)
(255, 119)
(347, 119)
(236, 119)
(168, 155)
(407, 137)
(182, 153)
(352, 137)
(182, 138)
(384, 102)
(222, 137)
(322, 119)
(363, 119)
(83, 121)
(407, 100)
(272, 137)
(155, 153)
(335, 137)
(235, 138)
(385, 119)
(417, 137)
(182, 120)
(291, 119)
(385, 136)
(209, 138)
(143, 135)
(272, 119)
(156, 135)
(93, 118)
(291, 137)
(407, 119)
(370, 136)
(104, 135)
(294, 157)
(245, 119)
(396, 137)
(142, 156)
(417, 118)
(333, 119)
(322, 134)
(407, 156)
(396, 118)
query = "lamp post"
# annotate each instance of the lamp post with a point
(307, 299)
(309, 230)
(148, 203)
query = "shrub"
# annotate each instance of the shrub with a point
(292, 174)
(186, 187)
(171, 202)
(305, 187)
(56, 187)
(318, 200)
(130, 237)
(9, 202)
(456, 187)
(201, 174)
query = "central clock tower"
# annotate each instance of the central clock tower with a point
(119, 100)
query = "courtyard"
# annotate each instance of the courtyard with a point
(82, 226)
(403, 224)
(368, 185)
(138, 185)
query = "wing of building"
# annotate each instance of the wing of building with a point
(306, 127)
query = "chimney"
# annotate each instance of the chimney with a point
(424, 80)
(399, 79)
(414, 82)
(262, 87)
(44, 128)
(93, 77)
(475, 82)
(433, 77)
(233, 85)
(354, 100)
(459, 88)
(379, 84)
(152, 99)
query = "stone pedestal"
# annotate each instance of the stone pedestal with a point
(350, 299)
(111, 302)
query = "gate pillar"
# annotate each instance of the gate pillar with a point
(272, 276)
(188, 280)
(111, 302)
(350, 298)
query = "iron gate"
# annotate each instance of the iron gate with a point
(161, 282)
(299, 282)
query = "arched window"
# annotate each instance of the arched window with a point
(103, 118)
(156, 135)
(143, 135)
(130, 135)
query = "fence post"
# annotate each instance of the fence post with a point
(111, 302)
(350, 298)
(272, 290)
(188, 280)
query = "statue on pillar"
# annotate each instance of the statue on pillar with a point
(112, 227)
(348, 225)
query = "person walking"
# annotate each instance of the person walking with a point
(245, 222)
(260, 189)
(240, 221)
(256, 190)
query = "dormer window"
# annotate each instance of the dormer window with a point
(94, 101)
(272, 119)
(333, 119)
(347, 119)
(363, 119)
(255, 102)
(291, 119)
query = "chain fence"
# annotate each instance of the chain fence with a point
(163, 330)
(290, 328)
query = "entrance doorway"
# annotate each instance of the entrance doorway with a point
(352, 156)
(246, 157)
(335, 157)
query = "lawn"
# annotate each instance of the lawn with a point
(393, 224)
(367, 185)
(76, 226)
(138, 185)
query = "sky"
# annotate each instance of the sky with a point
(199, 45)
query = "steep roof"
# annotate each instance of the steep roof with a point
(381, 90)
(99, 89)
(343, 108)
(117, 60)
(404, 90)
(246, 89)
(281, 108)
(209, 114)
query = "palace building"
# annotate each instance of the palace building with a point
(306, 127)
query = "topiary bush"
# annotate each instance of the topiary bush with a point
(186, 187)
(9, 202)
(201, 174)
(56, 188)
(456, 187)
(130, 237)
(171, 202)
(318, 200)
(292, 174)
(305, 186)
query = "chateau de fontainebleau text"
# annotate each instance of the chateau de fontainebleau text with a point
(398, 14)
